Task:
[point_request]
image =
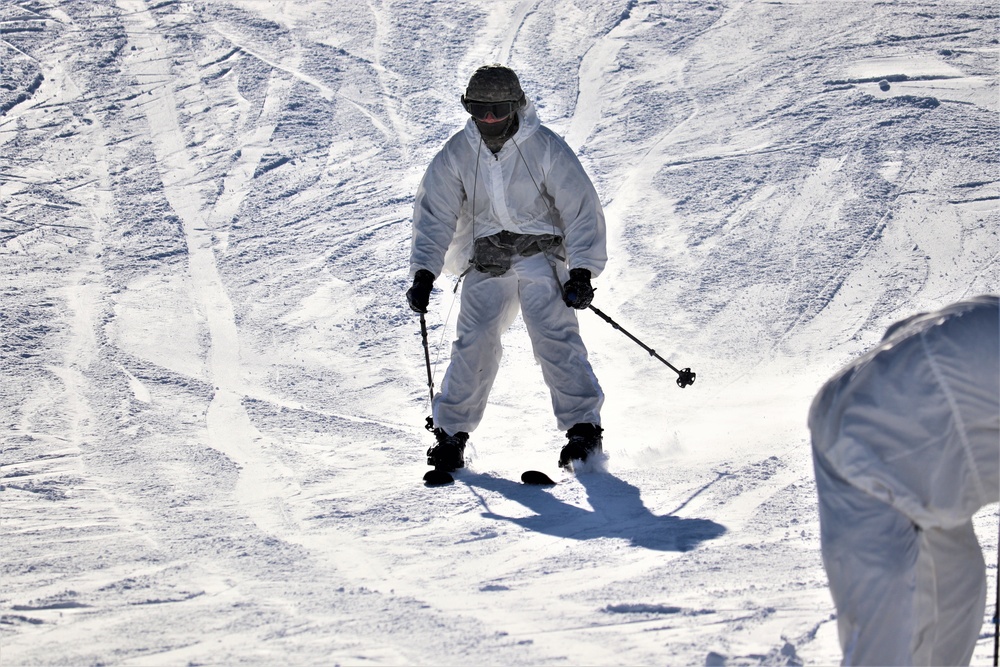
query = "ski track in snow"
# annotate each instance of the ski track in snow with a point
(214, 393)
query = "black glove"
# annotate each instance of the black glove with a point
(577, 292)
(419, 295)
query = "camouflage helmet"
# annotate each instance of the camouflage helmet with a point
(494, 83)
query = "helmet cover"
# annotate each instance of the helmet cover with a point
(494, 83)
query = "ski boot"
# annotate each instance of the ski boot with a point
(449, 452)
(584, 440)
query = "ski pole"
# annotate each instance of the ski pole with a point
(427, 363)
(684, 376)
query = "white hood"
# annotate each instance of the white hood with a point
(916, 421)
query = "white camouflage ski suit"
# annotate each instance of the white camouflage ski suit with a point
(534, 185)
(906, 446)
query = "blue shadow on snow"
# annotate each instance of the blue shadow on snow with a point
(618, 512)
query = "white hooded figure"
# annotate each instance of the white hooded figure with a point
(906, 447)
(507, 204)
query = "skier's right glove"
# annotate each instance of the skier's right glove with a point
(578, 292)
(419, 295)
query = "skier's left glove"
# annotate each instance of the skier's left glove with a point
(419, 295)
(577, 292)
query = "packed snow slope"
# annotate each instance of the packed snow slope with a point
(213, 393)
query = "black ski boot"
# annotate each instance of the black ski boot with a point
(584, 440)
(449, 452)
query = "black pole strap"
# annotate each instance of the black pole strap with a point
(684, 376)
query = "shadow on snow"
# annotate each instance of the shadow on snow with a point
(618, 512)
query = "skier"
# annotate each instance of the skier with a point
(507, 203)
(906, 447)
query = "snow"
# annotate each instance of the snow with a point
(213, 393)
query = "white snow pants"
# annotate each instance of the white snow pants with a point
(488, 307)
(904, 596)
(906, 448)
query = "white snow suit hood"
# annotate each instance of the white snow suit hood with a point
(914, 422)
(906, 446)
(534, 185)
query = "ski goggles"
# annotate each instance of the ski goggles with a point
(483, 110)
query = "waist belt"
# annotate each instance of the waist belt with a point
(493, 254)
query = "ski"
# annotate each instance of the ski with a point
(536, 478)
(435, 477)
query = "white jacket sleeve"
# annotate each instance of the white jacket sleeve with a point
(579, 207)
(436, 210)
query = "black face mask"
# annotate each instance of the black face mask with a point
(495, 135)
(494, 130)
